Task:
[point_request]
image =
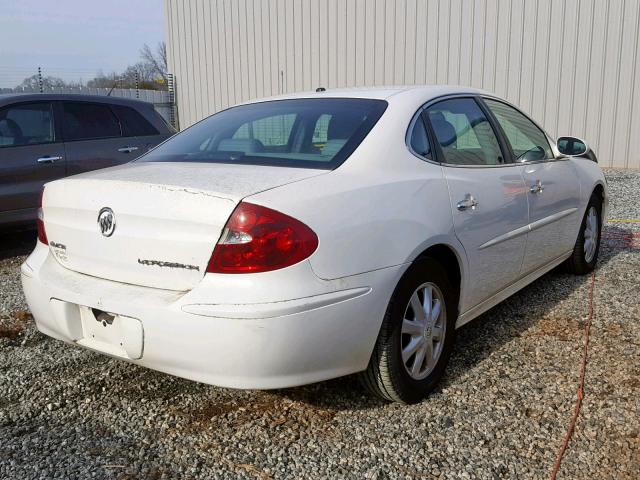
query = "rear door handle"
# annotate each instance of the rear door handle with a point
(49, 159)
(127, 149)
(537, 187)
(469, 202)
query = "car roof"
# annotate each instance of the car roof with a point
(9, 98)
(382, 92)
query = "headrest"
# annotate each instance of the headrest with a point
(9, 128)
(245, 145)
(343, 125)
(445, 132)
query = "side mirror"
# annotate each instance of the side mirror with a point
(572, 146)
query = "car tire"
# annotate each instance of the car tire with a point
(584, 257)
(393, 374)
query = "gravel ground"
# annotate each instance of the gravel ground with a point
(501, 412)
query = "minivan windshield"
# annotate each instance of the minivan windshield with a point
(308, 133)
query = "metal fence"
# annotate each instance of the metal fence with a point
(163, 100)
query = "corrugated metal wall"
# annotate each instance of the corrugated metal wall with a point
(571, 64)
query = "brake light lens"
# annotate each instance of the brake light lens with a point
(42, 233)
(258, 239)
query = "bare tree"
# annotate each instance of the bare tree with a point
(157, 60)
(141, 74)
(33, 82)
(149, 73)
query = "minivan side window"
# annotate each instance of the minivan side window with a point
(527, 141)
(26, 124)
(133, 123)
(464, 133)
(84, 121)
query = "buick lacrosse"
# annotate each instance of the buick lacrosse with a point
(301, 238)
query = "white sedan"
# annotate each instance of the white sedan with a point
(296, 239)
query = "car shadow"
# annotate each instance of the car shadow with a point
(475, 341)
(479, 338)
(17, 243)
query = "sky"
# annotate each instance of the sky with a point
(74, 39)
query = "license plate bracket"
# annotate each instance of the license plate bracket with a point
(104, 331)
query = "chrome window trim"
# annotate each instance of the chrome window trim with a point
(559, 158)
(554, 148)
(433, 101)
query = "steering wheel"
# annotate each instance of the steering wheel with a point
(540, 153)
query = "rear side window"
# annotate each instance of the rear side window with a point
(464, 133)
(527, 141)
(84, 121)
(310, 133)
(27, 124)
(419, 141)
(133, 123)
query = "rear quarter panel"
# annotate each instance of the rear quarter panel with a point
(370, 220)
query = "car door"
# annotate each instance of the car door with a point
(487, 195)
(553, 188)
(31, 154)
(93, 137)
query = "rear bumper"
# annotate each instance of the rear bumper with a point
(327, 332)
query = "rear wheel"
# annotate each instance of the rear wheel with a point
(416, 337)
(585, 252)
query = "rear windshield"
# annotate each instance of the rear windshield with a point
(311, 133)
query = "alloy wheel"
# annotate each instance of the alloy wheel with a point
(591, 232)
(423, 331)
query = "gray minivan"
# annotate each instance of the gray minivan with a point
(48, 136)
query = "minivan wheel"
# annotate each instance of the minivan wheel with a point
(585, 251)
(416, 337)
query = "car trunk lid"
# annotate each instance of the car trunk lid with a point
(167, 218)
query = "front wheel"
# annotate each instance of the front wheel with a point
(585, 252)
(416, 337)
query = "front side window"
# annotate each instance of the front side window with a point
(464, 133)
(527, 141)
(27, 124)
(85, 121)
(313, 133)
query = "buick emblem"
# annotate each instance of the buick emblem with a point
(106, 222)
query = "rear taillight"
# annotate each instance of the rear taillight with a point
(258, 239)
(42, 233)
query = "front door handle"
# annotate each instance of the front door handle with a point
(469, 202)
(48, 159)
(127, 149)
(536, 187)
